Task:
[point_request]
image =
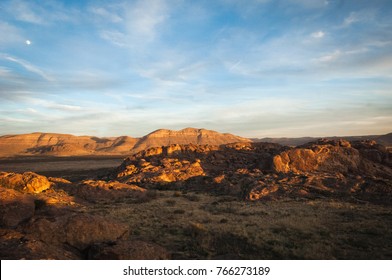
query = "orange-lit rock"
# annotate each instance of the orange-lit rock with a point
(27, 182)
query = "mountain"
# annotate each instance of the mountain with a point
(165, 137)
(53, 144)
(62, 145)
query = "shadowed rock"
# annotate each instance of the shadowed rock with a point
(15, 245)
(77, 230)
(15, 207)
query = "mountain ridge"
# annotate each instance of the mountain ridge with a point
(57, 144)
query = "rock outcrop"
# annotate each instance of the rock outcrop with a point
(28, 182)
(77, 230)
(15, 207)
(254, 171)
(331, 156)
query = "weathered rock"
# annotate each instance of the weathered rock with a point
(28, 182)
(15, 207)
(333, 156)
(128, 250)
(77, 230)
(263, 170)
(15, 245)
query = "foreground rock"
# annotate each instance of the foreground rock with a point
(15, 245)
(15, 208)
(77, 230)
(28, 182)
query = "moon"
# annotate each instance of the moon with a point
(28, 42)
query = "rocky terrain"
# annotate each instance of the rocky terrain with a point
(51, 144)
(385, 140)
(326, 199)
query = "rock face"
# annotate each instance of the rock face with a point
(27, 182)
(336, 157)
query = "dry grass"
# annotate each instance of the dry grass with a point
(202, 226)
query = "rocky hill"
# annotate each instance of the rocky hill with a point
(265, 170)
(51, 144)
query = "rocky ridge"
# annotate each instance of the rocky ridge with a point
(51, 144)
(265, 170)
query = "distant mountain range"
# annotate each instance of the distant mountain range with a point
(53, 144)
(385, 140)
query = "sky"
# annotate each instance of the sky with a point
(255, 68)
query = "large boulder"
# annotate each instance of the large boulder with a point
(15, 207)
(15, 245)
(28, 182)
(335, 156)
(78, 230)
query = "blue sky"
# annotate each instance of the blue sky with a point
(256, 68)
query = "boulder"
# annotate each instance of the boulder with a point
(15, 246)
(28, 182)
(15, 207)
(78, 230)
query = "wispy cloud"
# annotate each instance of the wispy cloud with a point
(359, 16)
(318, 34)
(63, 107)
(41, 14)
(138, 24)
(28, 66)
(9, 34)
(106, 14)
